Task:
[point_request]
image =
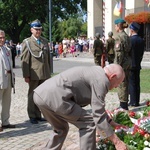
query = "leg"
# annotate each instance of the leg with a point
(6, 102)
(59, 125)
(33, 110)
(123, 91)
(134, 87)
(87, 131)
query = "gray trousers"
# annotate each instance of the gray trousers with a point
(5, 102)
(59, 123)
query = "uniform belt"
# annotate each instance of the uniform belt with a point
(8, 71)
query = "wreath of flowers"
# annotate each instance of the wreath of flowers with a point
(137, 136)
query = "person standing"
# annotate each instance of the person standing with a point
(12, 47)
(6, 83)
(110, 43)
(123, 57)
(18, 49)
(98, 49)
(137, 51)
(35, 66)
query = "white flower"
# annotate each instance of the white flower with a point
(104, 145)
(146, 143)
(146, 148)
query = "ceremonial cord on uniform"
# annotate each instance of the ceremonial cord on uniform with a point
(40, 54)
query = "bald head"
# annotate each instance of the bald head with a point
(115, 74)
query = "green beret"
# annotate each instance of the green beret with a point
(119, 21)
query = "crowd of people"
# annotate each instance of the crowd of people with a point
(72, 47)
(61, 99)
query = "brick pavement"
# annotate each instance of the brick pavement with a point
(31, 137)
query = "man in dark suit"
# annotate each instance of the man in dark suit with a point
(137, 52)
(12, 47)
(62, 98)
(35, 66)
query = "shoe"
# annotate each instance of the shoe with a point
(1, 129)
(133, 105)
(41, 119)
(124, 105)
(9, 126)
(33, 121)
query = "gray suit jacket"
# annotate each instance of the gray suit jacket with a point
(82, 86)
(37, 68)
(3, 72)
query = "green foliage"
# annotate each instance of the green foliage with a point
(69, 28)
(17, 15)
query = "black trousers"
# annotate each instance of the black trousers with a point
(134, 86)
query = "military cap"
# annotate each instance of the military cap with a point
(97, 35)
(110, 33)
(36, 24)
(120, 20)
(134, 26)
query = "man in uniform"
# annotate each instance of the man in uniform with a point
(35, 66)
(123, 57)
(110, 42)
(137, 52)
(98, 49)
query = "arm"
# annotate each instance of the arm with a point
(119, 145)
(25, 62)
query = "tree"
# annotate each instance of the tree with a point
(16, 15)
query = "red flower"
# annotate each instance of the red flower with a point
(148, 103)
(141, 17)
(132, 114)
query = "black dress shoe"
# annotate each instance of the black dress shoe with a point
(124, 105)
(9, 126)
(41, 119)
(1, 129)
(33, 121)
(133, 105)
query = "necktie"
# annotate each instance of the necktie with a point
(38, 41)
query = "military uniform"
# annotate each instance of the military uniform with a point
(98, 51)
(110, 42)
(137, 54)
(35, 66)
(123, 57)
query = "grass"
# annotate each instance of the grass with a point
(145, 80)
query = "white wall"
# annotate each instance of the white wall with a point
(108, 17)
(90, 18)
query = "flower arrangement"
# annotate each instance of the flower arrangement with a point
(137, 136)
(141, 17)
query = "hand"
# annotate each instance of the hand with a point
(121, 146)
(27, 80)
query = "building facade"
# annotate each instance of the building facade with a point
(100, 14)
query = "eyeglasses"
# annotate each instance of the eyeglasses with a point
(37, 29)
(2, 37)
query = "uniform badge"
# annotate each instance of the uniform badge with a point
(117, 45)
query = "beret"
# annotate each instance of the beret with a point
(120, 20)
(134, 26)
(36, 24)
